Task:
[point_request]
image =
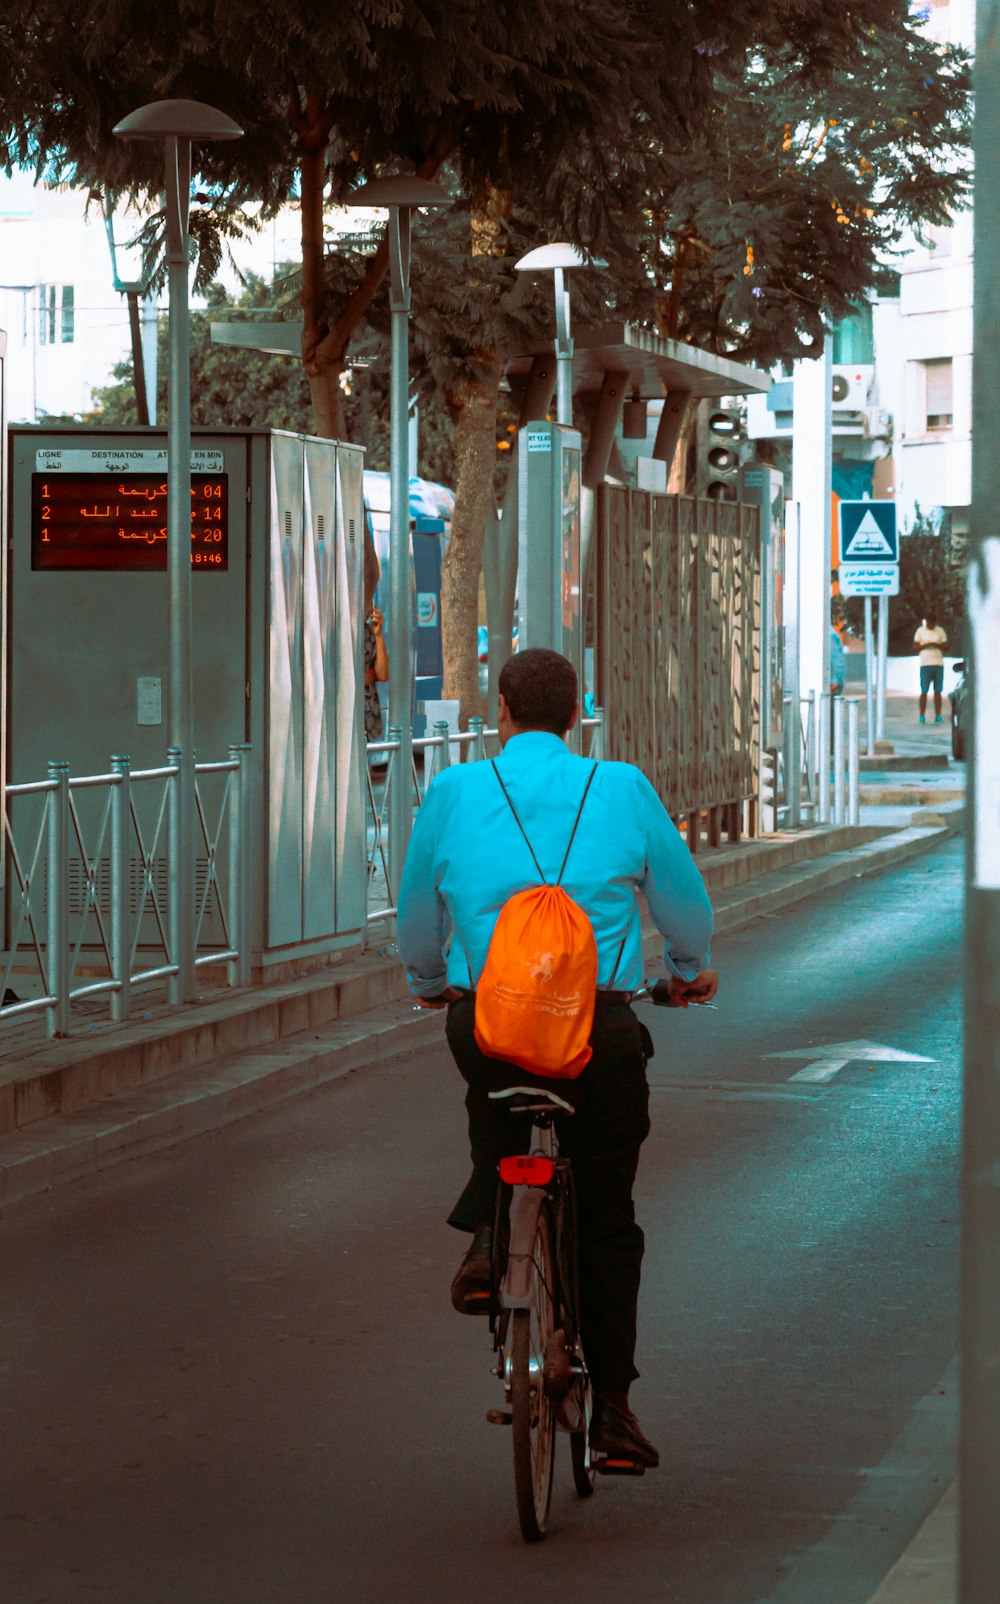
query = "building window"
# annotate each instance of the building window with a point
(56, 314)
(68, 329)
(938, 394)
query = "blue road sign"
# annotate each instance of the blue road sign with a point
(868, 532)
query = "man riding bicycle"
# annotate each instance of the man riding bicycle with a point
(470, 852)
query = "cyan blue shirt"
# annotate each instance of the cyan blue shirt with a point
(467, 856)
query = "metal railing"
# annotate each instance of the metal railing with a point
(820, 761)
(438, 751)
(90, 887)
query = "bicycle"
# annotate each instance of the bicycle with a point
(534, 1308)
(534, 1311)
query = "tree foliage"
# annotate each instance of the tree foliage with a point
(229, 386)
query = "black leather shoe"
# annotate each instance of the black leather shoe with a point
(470, 1290)
(618, 1435)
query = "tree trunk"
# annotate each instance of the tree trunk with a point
(322, 368)
(138, 359)
(475, 455)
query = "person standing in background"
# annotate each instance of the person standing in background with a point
(928, 641)
(376, 672)
(376, 653)
(836, 663)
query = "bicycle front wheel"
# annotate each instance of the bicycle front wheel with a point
(533, 1418)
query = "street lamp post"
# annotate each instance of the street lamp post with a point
(178, 123)
(556, 259)
(402, 195)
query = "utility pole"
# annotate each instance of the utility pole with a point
(980, 1464)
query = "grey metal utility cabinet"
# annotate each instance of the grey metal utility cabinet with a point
(277, 643)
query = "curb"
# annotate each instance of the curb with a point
(193, 1102)
(926, 1572)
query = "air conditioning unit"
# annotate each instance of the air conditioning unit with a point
(850, 387)
(876, 423)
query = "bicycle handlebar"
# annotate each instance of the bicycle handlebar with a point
(658, 993)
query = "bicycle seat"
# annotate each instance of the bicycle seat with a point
(527, 1100)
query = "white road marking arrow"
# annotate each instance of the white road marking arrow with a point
(827, 1060)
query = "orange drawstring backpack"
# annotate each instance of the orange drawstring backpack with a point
(536, 994)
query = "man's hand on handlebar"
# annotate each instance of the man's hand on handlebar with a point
(443, 998)
(677, 993)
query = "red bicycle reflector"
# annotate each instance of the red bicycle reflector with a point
(527, 1170)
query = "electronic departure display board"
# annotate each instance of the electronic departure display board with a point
(118, 521)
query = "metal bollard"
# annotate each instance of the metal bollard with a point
(823, 760)
(121, 946)
(838, 760)
(853, 762)
(57, 924)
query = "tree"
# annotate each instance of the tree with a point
(228, 385)
(799, 185)
(249, 389)
(500, 93)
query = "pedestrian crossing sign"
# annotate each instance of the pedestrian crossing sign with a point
(868, 532)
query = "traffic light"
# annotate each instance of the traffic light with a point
(720, 449)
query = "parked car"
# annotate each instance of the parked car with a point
(959, 710)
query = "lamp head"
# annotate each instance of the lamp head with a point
(399, 189)
(180, 119)
(546, 257)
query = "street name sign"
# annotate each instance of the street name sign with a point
(869, 579)
(868, 532)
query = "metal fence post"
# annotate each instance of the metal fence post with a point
(477, 748)
(812, 748)
(789, 778)
(597, 736)
(853, 763)
(795, 763)
(443, 752)
(838, 760)
(175, 880)
(238, 969)
(390, 796)
(823, 760)
(57, 935)
(121, 946)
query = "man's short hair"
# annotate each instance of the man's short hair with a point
(931, 620)
(540, 689)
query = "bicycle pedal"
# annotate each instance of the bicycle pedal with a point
(618, 1467)
(499, 1417)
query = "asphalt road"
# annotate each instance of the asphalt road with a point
(230, 1374)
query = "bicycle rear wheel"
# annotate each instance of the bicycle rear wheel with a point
(533, 1418)
(584, 1474)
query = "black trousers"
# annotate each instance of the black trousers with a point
(602, 1139)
